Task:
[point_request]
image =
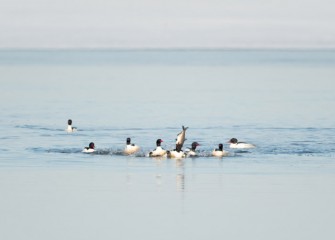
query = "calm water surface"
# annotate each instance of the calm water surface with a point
(282, 101)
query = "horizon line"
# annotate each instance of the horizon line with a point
(168, 48)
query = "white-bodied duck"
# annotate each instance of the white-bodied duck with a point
(159, 151)
(90, 148)
(191, 152)
(219, 152)
(69, 127)
(130, 147)
(234, 143)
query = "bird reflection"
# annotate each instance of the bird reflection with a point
(180, 177)
(158, 177)
(180, 173)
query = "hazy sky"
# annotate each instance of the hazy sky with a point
(169, 23)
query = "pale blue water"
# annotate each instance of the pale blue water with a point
(282, 101)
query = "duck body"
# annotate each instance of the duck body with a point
(131, 148)
(239, 145)
(191, 153)
(176, 154)
(88, 150)
(158, 152)
(70, 129)
(220, 152)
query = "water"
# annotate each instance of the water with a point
(282, 101)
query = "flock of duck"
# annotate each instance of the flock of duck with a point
(131, 148)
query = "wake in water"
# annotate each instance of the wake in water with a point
(119, 152)
(36, 127)
(107, 151)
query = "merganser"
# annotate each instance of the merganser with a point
(89, 149)
(236, 144)
(131, 148)
(69, 126)
(191, 151)
(220, 152)
(159, 151)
